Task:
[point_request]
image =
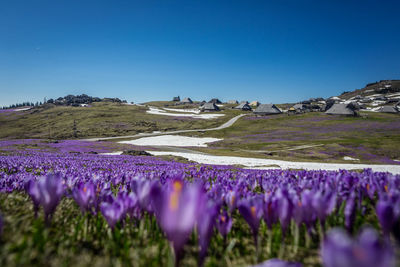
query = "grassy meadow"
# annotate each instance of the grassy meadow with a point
(99, 120)
(371, 138)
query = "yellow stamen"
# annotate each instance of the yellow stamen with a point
(253, 211)
(386, 188)
(367, 187)
(174, 201)
(177, 186)
(84, 189)
(232, 200)
(223, 219)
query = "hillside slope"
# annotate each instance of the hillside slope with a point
(382, 87)
(98, 120)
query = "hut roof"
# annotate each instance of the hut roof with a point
(299, 106)
(210, 107)
(267, 109)
(243, 106)
(388, 109)
(341, 109)
(187, 100)
(215, 101)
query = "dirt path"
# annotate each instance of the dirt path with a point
(223, 126)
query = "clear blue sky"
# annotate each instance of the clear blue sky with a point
(271, 51)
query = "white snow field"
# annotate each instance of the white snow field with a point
(172, 140)
(195, 111)
(349, 158)
(22, 109)
(112, 153)
(157, 111)
(255, 163)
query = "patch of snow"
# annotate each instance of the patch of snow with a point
(377, 103)
(393, 95)
(172, 140)
(266, 163)
(196, 111)
(22, 109)
(373, 109)
(111, 153)
(157, 111)
(349, 158)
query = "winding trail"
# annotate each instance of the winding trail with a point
(223, 126)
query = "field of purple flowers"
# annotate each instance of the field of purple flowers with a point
(60, 208)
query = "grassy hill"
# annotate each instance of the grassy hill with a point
(381, 87)
(99, 120)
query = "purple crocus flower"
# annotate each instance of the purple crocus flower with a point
(47, 192)
(51, 191)
(386, 215)
(231, 200)
(205, 226)
(252, 211)
(303, 211)
(277, 263)
(339, 250)
(270, 210)
(32, 188)
(85, 195)
(323, 204)
(350, 212)
(141, 187)
(224, 224)
(128, 203)
(112, 212)
(285, 208)
(176, 208)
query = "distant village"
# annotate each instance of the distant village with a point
(382, 96)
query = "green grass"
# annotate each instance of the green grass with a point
(373, 138)
(100, 120)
